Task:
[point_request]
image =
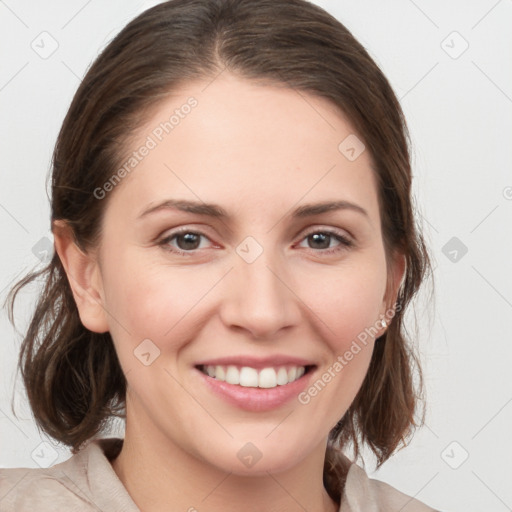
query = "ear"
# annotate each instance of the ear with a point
(396, 274)
(84, 277)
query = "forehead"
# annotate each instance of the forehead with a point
(249, 145)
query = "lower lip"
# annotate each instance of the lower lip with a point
(256, 399)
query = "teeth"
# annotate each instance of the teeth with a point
(220, 372)
(252, 378)
(282, 376)
(248, 377)
(232, 375)
(268, 378)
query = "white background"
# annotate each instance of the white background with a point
(459, 109)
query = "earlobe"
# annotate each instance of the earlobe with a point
(84, 278)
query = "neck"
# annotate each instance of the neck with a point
(156, 473)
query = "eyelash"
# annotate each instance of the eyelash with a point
(345, 242)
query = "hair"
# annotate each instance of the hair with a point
(73, 378)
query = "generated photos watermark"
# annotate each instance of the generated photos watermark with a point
(344, 359)
(156, 137)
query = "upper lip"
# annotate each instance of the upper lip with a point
(256, 362)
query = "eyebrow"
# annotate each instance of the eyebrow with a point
(216, 211)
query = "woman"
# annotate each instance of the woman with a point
(235, 251)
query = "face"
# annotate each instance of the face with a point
(214, 261)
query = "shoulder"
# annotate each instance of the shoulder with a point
(55, 488)
(85, 482)
(36, 489)
(362, 493)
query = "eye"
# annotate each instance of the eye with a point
(321, 241)
(183, 242)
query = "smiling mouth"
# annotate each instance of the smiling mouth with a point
(246, 376)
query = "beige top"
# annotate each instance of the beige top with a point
(86, 482)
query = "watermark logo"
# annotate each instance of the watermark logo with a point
(454, 249)
(44, 455)
(45, 45)
(454, 45)
(249, 455)
(249, 249)
(43, 250)
(351, 147)
(455, 455)
(146, 352)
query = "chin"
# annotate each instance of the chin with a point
(256, 459)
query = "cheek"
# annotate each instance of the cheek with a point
(151, 301)
(348, 308)
(348, 301)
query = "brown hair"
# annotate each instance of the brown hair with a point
(73, 378)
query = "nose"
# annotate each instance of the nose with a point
(259, 298)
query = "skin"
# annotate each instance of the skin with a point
(258, 151)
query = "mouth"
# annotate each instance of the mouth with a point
(256, 384)
(249, 377)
